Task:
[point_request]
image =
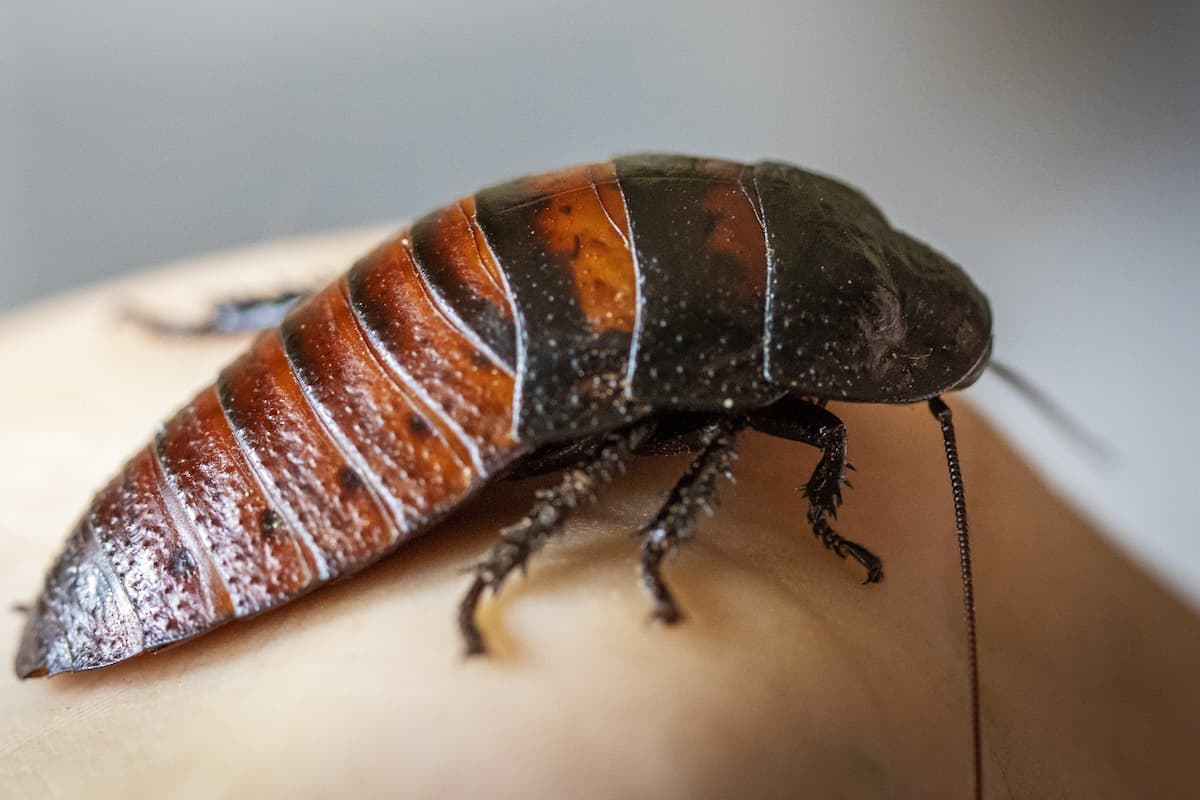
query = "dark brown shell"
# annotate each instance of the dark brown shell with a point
(543, 310)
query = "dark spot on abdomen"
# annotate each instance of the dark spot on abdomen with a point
(419, 425)
(270, 523)
(350, 480)
(182, 562)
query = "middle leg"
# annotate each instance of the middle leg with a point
(695, 492)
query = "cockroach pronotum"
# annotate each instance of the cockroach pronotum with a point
(564, 321)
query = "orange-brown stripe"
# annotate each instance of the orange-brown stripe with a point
(307, 476)
(573, 287)
(422, 347)
(205, 466)
(578, 231)
(451, 264)
(404, 453)
(484, 253)
(603, 177)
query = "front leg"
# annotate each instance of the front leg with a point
(801, 421)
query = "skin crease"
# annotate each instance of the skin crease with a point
(788, 678)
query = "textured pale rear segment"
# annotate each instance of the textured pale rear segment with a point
(84, 613)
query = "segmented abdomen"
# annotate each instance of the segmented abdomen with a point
(370, 413)
(543, 309)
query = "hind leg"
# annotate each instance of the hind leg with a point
(247, 315)
(802, 421)
(545, 520)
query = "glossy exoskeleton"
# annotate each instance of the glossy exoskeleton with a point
(650, 304)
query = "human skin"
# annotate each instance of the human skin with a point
(788, 677)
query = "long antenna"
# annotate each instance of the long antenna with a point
(942, 412)
(1051, 410)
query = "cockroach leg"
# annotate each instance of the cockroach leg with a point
(696, 491)
(545, 520)
(802, 421)
(228, 318)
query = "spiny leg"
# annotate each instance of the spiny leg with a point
(246, 315)
(695, 492)
(802, 421)
(544, 520)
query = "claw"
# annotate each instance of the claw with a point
(666, 613)
(474, 647)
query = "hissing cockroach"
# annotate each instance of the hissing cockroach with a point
(655, 303)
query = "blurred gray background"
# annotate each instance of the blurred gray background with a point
(1049, 147)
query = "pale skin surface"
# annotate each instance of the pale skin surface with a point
(789, 678)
